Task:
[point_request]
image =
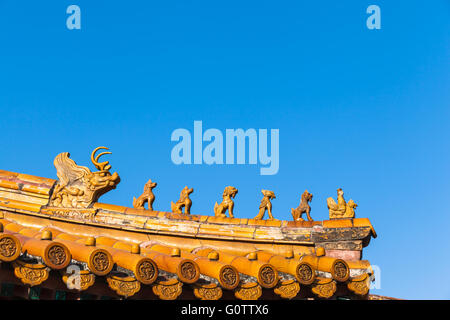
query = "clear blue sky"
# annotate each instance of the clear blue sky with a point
(365, 110)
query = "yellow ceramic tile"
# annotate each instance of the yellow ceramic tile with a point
(15, 204)
(338, 223)
(5, 173)
(109, 207)
(9, 184)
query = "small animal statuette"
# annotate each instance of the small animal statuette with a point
(227, 203)
(304, 207)
(146, 196)
(184, 201)
(342, 209)
(266, 205)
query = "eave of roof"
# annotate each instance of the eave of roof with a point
(47, 248)
(171, 240)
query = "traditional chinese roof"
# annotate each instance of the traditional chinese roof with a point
(147, 254)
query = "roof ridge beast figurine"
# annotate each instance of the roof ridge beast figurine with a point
(341, 209)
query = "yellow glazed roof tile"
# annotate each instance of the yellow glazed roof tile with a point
(109, 207)
(338, 223)
(364, 222)
(20, 205)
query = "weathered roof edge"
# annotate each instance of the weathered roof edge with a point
(27, 194)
